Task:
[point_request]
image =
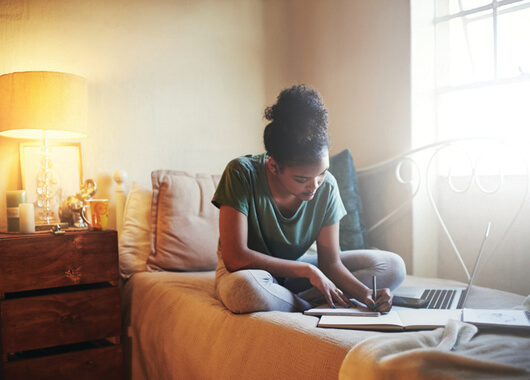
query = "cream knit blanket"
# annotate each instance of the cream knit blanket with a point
(457, 351)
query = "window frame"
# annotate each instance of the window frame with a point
(498, 8)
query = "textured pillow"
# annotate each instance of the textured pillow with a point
(353, 233)
(135, 242)
(184, 223)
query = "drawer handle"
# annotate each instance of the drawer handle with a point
(74, 274)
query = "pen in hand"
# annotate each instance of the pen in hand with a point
(374, 296)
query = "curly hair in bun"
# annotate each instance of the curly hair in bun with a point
(298, 128)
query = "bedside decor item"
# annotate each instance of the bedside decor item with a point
(43, 105)
(13, 199)
(66, 158)
(70, 208)
(99, 214)
(27, 217)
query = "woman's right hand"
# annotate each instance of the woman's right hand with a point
(327, 288)
(381, 302)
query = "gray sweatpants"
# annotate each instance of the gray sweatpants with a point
(251, 290)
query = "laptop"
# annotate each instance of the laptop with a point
(445, 298)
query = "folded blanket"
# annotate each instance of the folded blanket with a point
(456, 351)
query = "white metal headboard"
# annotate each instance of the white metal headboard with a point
(421, 165)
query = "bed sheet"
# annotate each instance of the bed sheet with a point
(174, 328)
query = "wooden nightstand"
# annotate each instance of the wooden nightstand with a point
(60, 311)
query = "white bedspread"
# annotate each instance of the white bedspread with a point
(176, 329)
(457, 351)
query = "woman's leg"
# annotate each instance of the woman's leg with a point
(251, 290)
(387, 266)
(363, 264)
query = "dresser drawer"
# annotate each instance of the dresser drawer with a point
(47, 261)
(59, 319)
(98, 363)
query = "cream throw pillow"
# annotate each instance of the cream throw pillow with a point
(135, 237)
(184, 222)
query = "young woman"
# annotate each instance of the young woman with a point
(275, 205)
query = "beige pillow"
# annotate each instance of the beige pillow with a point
(184, 222)
(135, 237)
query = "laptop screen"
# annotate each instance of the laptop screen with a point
(477, 261)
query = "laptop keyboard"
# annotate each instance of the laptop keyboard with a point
(439, 298)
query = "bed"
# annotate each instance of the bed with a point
(174, 327)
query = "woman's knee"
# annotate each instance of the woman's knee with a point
(253, 290)
(240, 291)
(396, 270)
(387, 266)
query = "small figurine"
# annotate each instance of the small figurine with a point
(70, 208)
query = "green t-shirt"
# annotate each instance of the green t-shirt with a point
(244, 186)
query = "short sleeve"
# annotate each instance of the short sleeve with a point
(335, 209)
(234, 188)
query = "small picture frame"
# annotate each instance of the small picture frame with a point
(66, 165)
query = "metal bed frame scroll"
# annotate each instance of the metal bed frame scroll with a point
(423, 168)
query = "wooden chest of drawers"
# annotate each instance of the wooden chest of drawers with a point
(60, 311)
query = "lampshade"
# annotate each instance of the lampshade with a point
(44, 105)
(35, 101)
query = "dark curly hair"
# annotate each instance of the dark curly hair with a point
(298, 128)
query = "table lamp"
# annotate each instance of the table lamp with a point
(43, 105)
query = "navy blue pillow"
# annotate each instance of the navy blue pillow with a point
(353, 233)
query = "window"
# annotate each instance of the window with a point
(470, 77)
(482, 69)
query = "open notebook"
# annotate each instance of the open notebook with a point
(405, 319)
(445, 298)
(518, 319)
(425, 319)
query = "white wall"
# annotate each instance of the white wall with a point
(172, 84)
(183, 84)
(357, 53)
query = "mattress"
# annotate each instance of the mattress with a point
(176, 329)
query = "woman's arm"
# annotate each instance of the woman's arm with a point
(233, 230)
(330, 263)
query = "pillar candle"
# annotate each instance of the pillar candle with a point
(27, 217)
(14, 198)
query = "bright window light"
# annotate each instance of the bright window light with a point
(483, 69)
